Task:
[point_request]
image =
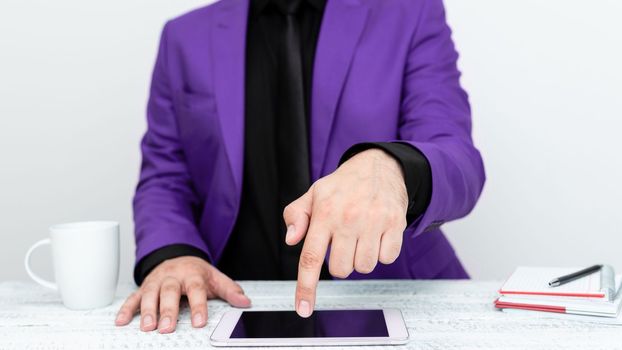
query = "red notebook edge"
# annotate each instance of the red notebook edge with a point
(506, 305)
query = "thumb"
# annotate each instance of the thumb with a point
(296, 216)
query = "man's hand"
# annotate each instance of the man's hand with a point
(359, 210)
(162, 290)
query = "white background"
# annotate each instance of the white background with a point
(545, 81)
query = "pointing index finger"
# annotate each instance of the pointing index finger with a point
(310, 266)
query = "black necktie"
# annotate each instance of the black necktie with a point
(293, 153)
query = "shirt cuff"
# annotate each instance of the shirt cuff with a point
(156, 257)
(417, 173)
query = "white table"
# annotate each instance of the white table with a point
(439, 314)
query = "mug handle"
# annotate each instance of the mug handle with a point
(32, 275)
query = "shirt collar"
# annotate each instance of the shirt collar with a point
(257, 6)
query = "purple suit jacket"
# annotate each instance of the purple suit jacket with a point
(384, 70)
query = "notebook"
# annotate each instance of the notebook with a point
(595, 295)
(535, 281)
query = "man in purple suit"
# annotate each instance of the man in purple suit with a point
(299, 139)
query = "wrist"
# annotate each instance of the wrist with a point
(377, 157)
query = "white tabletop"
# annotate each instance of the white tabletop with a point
(439, 314)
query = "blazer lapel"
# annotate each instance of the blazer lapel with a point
(341, 28)
(228, 47)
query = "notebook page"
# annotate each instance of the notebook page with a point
(566, 300)
(535, 280)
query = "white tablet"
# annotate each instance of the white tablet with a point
(323, 328)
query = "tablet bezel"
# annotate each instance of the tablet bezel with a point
(396, 327)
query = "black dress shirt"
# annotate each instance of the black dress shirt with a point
(256, 249)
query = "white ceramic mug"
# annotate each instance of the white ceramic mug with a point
(86, 263)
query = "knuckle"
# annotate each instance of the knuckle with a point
(364, 269)
(380, 212)
(169, 280)
(391, 253)
(319, 185)
(390, 258)
(195, 285)
(155, 273)
(351, 215)
(149, 302)
(345, 232)
(194, 268)
(309, 260)
(392, 216)
(373, 216)
(385, 210)
(387, 259)
(365, 265)
(212, 284)
(339, 271)
(167, 269)
(324, 209)
(170, 288)
(150, 288)
(135, 296)
(339, 266)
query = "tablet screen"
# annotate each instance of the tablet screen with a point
(322, 323)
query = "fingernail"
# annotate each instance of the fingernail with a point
(120, 318)
(147, 321)
(290, 232)
(304, 309)
(244, 300)
(165, 323)
(197, 320)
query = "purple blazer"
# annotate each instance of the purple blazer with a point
(384, 70)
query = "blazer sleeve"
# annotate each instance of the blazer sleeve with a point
(165, 203)
(436, 119)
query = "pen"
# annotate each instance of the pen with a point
(573, 276)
